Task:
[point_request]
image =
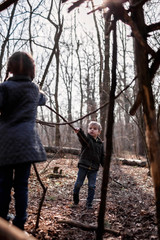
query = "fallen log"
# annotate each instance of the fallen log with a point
(54, 149)
(132, 162)
(86, 226)
(10, 232)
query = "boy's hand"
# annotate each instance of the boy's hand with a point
(77, 130)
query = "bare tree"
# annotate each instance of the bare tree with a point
(145, 74)
(6, 38)
(55, 51)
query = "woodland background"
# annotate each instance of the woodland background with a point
(81, 59)
(73, 55)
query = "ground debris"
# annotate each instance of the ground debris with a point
(130, 210)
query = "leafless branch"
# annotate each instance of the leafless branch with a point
(6, 4)
(69, 123)
(153, 69)
(43, 196)
(76, 4)
(86, 227)
(153, 27)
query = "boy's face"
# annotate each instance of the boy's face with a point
(93, 130)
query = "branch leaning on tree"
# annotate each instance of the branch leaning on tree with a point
(153, 69)
(50, 124)
(4, 5)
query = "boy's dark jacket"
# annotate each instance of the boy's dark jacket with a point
(92, 151)
(19, 141)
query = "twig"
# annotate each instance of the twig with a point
(117, 182)
(43, 196)
(79, 119)
(86, 226)
(6, 4)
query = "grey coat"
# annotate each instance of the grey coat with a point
(19, 141)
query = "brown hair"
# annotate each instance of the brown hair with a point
(21, 63)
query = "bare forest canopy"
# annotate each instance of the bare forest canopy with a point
(74, 58)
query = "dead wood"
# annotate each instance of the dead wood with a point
(43, 195)
(153, 69)
(86, 226)
(4, 5)
(10, 232)
(74, 151)
(136, 104)
(132, 162)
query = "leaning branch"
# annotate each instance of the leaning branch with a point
(124, 17)
(6, 4)
(153, 69)
(76, 4)
(86, 226)
(43, 196)
(153, 27)
(11, 232)
(69, 123)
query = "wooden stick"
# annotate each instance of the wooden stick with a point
(60, 117)
(86, 226)
(11, 232)
(43, 196)
(50, 124)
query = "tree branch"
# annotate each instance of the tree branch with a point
(11, 232)
(153, 69)
(153, 27)
(124, 17)
(43, 196)
(76, 4)
(6, 4)
(50, 124)
(86, 226)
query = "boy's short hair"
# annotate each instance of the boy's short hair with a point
(97, 124)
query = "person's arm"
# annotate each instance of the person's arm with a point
(82, 137)
(1, 99)
(102, 156)
(42, 98)
(2, 95)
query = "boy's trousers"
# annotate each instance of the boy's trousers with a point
(91, 175)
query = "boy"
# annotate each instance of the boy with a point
(92, 155)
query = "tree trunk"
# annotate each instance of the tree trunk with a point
(80, 81)
(104, 96)
(3, 45)
(151, 130)
(109, 143)
(86, 226)
(57, 132)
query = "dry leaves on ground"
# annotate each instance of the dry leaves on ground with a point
(130, 206)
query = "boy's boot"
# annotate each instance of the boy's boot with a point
(76, 198)
(89, 205)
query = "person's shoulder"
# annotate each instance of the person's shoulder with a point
(35, 84)
(99, 140)
(5, 84)
(2, 86)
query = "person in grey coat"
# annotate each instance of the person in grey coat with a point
(20, 145)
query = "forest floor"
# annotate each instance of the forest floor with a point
(130, 207)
